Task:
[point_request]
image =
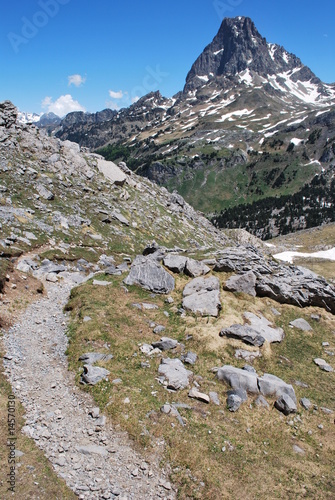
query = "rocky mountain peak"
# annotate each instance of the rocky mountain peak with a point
(238, 47)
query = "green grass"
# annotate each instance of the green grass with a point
(262, 453)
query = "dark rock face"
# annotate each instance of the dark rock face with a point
(239, 46)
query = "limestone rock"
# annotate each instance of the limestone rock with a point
(270, 385)
(93, 374)
(238, 378)
(195, 394)
(285, 404)
(150, 275)
(90, 358)
(165, 343)
(176, 263)
(44, 192)
(301, 324)
(202, 296)
(194, 268)
(265, 328)
(244, 333)
(112, 172)
(242, 283)
(176, 375)
(323, 365)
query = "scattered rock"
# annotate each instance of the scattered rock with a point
(159, 329)
(176, 375)
(189, 358)
(214, 397)
(270, 385)
(92, 449)
(301, 324)
(262, 402)
(165, 344)
(248, 356)
(238, 378)
(244, 333)
(195, 268)
(200, 396)
(93, 374)
(323, 365)
(285, 404)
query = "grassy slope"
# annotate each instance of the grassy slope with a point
(261, 462)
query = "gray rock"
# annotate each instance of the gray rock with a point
(214, 397)
(150, 275)
(120, 218)
(301, 324)
(101, 283)
(176, 263)
(176, 375)
(159, 329)
(298, 450)
(262, 402)
(93, 374)
(270, 385)
(249, 368)
(242, 283)
(248, 356)
(245, 333)
(202, 296)
(265, 328)
(112, 172)
(44, 192)
(190, 358)
(203, 303)
(305, 403)
(90, 358)
(238, 378)
(92, 449)
(285, 404)
(195, 268)
(201, 285)
(165, 343)
(200, 396)
(233, 402)
(323, 365)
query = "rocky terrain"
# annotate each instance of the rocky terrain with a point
(214, 358)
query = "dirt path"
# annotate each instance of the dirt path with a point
(96, 462)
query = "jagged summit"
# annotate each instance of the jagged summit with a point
(239, 47)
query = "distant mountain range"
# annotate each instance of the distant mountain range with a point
(252, 122)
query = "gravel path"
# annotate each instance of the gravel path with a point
(96, 462)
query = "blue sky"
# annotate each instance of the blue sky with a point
(62, 55)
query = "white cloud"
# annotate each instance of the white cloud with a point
(113, 105)
(62, 106)
(76, 80)
(116, 95)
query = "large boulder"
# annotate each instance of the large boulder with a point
(176, 263)
(244, 333)
(195, 268)
(150, 275)
(112, 172)
(245, 283)
(93, 374)
(270, 385)
(264, 327)
(199, 285)
(175, 373)
(238, 378)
